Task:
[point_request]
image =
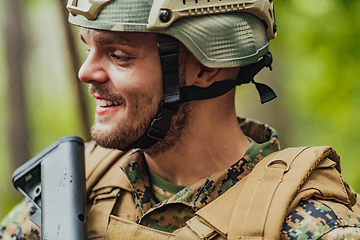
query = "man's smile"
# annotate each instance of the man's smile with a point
(106, 103)
(106, 106)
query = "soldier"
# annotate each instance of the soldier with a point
(170, 158)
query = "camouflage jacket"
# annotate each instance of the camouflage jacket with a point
(166, 207)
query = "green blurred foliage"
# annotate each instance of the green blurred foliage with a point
(317, 45)
(316, 77)
(49, 87)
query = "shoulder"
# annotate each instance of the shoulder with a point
(320, 219)
(17, 224)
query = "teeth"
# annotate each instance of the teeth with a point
(105, 103)
(101, 103)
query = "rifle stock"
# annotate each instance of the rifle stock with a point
(54, 181)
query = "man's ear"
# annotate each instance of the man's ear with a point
(206, 76)
(199, 75)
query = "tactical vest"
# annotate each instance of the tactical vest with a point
(254, 208)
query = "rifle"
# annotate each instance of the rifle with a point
(54, 181)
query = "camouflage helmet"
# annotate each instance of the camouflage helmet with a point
(237, 32)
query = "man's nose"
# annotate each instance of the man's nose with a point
(93, 69)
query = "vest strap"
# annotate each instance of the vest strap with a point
(255, 204)
(196, 229)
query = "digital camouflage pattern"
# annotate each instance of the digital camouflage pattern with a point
(17, 225)
(167, 210)
(315, 219)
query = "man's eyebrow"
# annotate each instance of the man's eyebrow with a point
(104, 40)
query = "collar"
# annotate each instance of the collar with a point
(264, 142)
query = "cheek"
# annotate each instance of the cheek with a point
(150, 79)
(141, 87)
(143, 107)
(143, 94)
(139, 83)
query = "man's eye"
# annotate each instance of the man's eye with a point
(120, 58)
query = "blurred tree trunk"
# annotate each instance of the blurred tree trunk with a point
(75, 66)
(15, 56)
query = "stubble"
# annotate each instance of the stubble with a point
(123, 134)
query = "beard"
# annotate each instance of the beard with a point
(178, 126)
(121, 134)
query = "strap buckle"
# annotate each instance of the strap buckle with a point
(161, 123)
(278, 161)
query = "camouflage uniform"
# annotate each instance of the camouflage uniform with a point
(166, 207)
(17, 225)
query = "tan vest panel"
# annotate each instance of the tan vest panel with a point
(269, 193)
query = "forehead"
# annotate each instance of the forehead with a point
(132, 39)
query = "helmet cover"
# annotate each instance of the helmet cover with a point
(220, 34)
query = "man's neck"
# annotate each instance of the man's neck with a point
(209, 145)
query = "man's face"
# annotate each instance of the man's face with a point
(124, 76)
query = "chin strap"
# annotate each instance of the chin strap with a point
(168, 48)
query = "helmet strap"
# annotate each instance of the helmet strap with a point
(168, 48)
(246, 75)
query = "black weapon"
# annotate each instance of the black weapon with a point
(54, 181)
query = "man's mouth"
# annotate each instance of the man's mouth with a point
(106, 103)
